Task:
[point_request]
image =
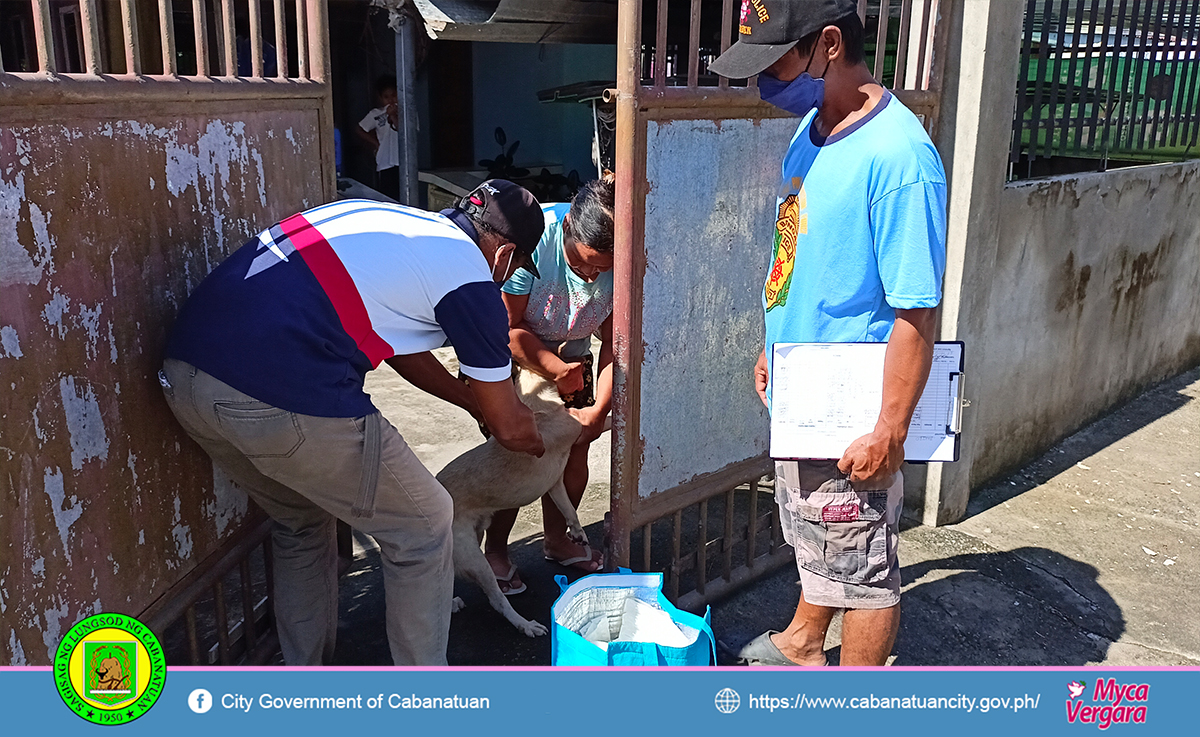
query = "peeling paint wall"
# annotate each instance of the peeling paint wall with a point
(708, 241)
(106, 226)
(1095, 295)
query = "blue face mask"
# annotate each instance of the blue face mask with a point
(798, 96)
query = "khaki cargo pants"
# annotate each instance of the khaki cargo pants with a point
(307, 471)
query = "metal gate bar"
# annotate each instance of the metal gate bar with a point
(716, 566)
(252, 637)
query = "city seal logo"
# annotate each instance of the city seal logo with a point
(110, 669)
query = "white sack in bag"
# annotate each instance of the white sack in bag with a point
(643, 622)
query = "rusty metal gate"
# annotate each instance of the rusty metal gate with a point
(140, 143)
(697, 170)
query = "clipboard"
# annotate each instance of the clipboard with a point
(827, 395)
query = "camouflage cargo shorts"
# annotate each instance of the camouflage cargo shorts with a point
(845, 539)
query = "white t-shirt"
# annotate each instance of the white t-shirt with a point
(388, 154)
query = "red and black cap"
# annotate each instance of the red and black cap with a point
(769, 28)
(510, 210)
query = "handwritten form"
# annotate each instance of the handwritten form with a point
(827, 395)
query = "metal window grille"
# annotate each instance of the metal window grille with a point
(1106, 83)
(163, 40)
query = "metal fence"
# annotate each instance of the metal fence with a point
(899, 36)
(1107, 81)
(221, 612)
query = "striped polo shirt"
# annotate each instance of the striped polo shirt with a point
(297, 316)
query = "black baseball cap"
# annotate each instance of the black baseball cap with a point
(510, 210)
(769, 28)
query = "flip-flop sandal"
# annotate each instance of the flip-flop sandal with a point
(506, 583)
(761, 651)
(589, 557)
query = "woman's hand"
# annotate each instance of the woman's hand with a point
(593, 422)
(569, 379)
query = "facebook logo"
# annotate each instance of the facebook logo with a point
(200, 700)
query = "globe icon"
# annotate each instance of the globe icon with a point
(728, 701)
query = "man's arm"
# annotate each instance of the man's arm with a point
(875, 457)
(762, 377)
(426, 373)
(530, 352)
(507, 417)
(495, 403)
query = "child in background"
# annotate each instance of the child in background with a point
(378, 130)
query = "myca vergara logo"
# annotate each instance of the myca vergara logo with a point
(1112, 703)
(109, 669)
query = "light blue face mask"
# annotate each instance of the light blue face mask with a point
(798, 96)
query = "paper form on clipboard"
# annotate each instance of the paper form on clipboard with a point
(827, 395)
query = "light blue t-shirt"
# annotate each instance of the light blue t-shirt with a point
(562, 306)
(860, 230)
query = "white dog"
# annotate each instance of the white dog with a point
(489, 478)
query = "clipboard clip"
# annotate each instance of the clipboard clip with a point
(957, 403)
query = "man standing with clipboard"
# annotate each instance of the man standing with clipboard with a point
(859, 252)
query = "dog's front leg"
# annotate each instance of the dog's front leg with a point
(558, 495)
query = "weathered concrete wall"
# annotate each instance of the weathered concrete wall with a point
(1095, 293)
(708, 216)
(106, 225)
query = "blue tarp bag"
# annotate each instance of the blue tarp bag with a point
(601, 598)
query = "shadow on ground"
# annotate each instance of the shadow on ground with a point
(1085, 556)
(974, 607)
(1030, 606)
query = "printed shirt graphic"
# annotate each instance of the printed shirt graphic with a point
(297, 316)
(789, 224)
(562, 306)
(860, 230)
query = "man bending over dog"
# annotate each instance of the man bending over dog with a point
(265, 370)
